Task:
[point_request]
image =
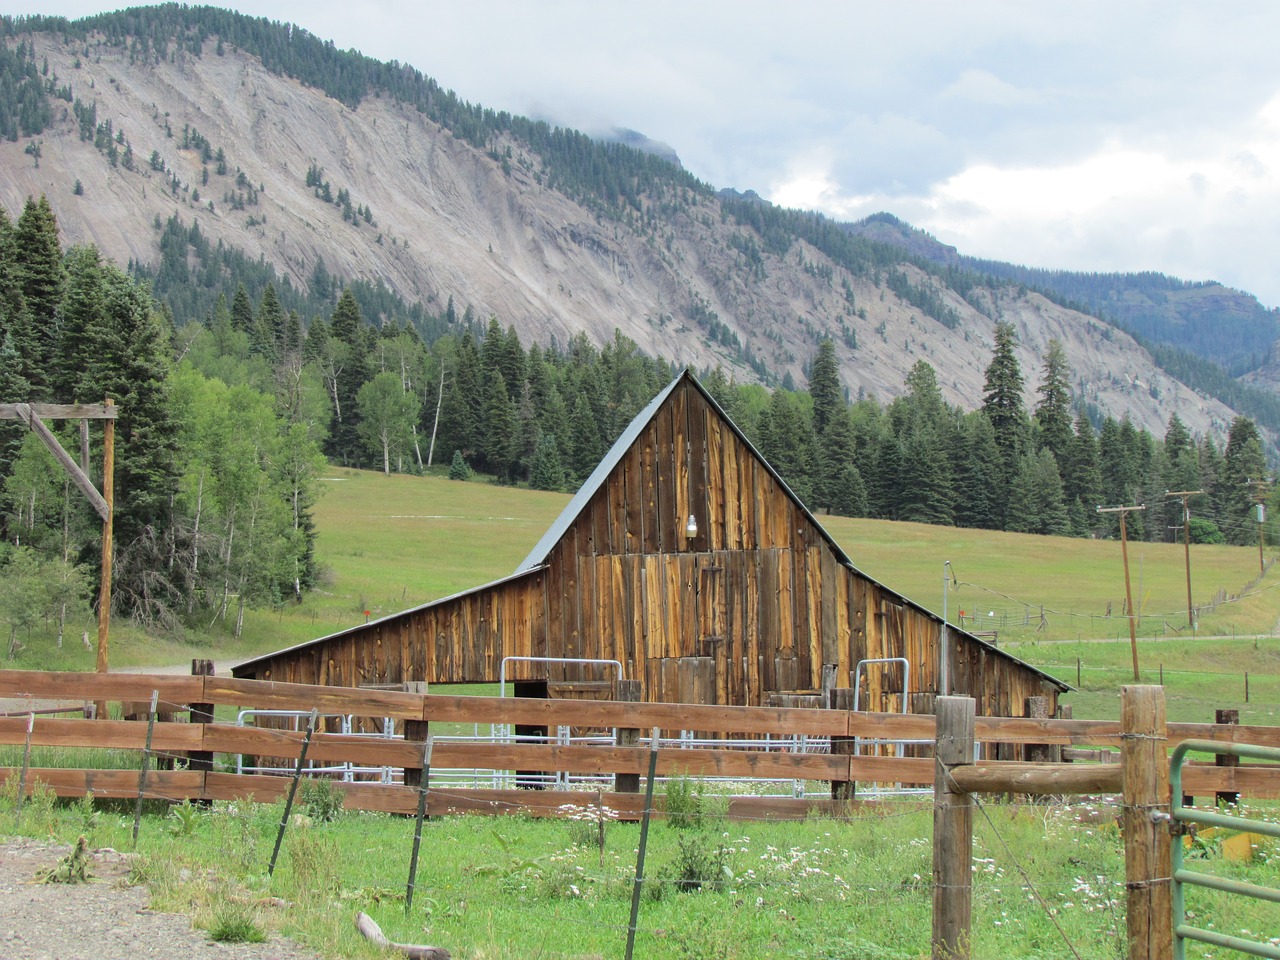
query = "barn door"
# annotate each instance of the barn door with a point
(712, 640)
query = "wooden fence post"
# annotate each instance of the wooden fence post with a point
(1037, 708)
(1058, 753)
(201, 760)
(1225, 760)
(629, 691)
(952, 831)
(841, 698)
(416, 731)
(1144, 755)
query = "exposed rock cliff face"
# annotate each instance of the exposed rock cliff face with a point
(450, 220)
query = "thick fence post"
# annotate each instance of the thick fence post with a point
(1037, 708)
(1058, 754)
(629, 691)
(1226, 760)
(1144, 755)
(952, 831)
(841, 698)
(201, 760)
(416, 731)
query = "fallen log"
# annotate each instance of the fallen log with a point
(370, 930)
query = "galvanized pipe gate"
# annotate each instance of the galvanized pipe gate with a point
(1183, 931)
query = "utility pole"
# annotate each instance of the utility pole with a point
(1186, 496)
(1128, 590)
(1258, 491)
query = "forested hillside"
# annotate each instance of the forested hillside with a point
(1201, 333)
(205, 149)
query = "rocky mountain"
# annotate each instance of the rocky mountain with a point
(201, 116)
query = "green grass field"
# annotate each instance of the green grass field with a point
(1045, 877)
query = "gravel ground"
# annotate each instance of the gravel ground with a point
(103, 919)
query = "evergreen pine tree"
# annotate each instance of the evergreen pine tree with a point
(346, 327)
(1243, 463)
(788, 444)
(39, 271)
(850, 498)
(1002, 401)
(824, 387)
(13, 388)
(291, 344)
(15, 319)
(927, 494)
(884, 489)
(835, 453)
(980, 487)
(547, 472)
(458, 469)
(1053, 413)
(82, 306)
(267, 333)
(1021, 515)
(586, 443)
(1036, 503)
(130, 364)
(242, 318)
(500, 436)
(1082, 478)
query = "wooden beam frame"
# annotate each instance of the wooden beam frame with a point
(34, 415)
(28, 415)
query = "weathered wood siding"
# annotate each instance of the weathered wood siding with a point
(756, 604)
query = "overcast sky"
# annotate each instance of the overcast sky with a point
(1081, 135)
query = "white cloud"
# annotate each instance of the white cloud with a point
(983, 87)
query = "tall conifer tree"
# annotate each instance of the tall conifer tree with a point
(824, 388)
(1053, 412)
(345, 327)
(1002, 402)
(39, 270)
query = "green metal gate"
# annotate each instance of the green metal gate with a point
(1182, 931)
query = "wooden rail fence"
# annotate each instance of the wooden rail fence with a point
(200, 739)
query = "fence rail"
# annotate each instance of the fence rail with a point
(744, 760)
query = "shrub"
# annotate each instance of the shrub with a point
(699, 864)
(321, 800)
(234, 922)
(688, 807)
(182, 819)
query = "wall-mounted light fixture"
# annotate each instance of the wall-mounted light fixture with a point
(691, 528)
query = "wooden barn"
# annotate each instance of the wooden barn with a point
(686, 559)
